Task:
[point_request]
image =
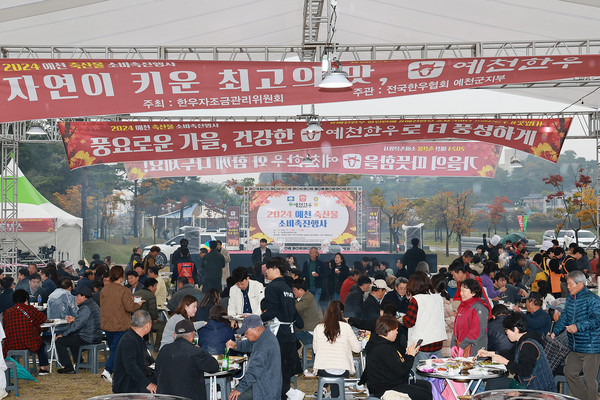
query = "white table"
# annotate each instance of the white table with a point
(52, 324)
(226, 377)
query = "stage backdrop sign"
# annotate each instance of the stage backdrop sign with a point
(89, 143)
(53, 88)
(309, 217)
(373, 227)
(233, 226)
(456, 159)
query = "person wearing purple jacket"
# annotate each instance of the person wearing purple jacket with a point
(487, 280)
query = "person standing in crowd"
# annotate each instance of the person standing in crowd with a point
(81, 330)
(280, 305)
(223, 250)
(150, 259)
(161, 287)
(177, 256)
(181, 365)
(313, 272)
(133, 359)
(492, 247)
(339, 272)
(581, 320)
(212, 265)
(424, 316)
(470, 325)
(116, 306)
(245, 296)
(261, 254)
(413, 256)
(185, 267)
(134, 259)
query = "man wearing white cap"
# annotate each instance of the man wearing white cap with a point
(492, 247)
(372, 304)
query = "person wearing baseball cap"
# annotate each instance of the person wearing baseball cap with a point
(180, 366)
(263, 377)
(538, 320)
(82, 329)
(372, 304)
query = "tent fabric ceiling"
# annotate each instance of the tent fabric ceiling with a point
(273, 23)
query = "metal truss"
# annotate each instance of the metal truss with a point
(245, 211)
(18, 130)
(8, 206)
(314, 24)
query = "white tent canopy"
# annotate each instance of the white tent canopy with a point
(41, 223)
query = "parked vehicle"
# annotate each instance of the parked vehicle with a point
(586, 238)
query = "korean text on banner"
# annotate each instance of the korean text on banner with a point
(392, 159)
(54, 88)
(89, 143)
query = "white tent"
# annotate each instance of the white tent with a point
(41, 223)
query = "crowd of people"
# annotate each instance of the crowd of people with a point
(409, 313)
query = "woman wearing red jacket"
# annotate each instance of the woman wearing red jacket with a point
(470, 325)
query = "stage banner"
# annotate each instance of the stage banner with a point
(90, 143)
(233, 226)
(309, 217)
(373, 228)
(30, 225)
(474, 159)
(55, 88)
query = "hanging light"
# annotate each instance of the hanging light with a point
(515, 161)
(307, 161)
(36, 129)
(335, 77)
(313, 126)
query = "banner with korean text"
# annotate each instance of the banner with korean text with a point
(89, 143)
(373, 227)
(56, 88)
(233, 226)
(456, 159)
(309, 217)
(31, 225)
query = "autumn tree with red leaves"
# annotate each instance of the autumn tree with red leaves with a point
(496, 211)
(571, 212)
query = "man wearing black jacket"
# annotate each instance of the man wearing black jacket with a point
(280, 305)
(413, 256)
(131, 373)
(180, 366)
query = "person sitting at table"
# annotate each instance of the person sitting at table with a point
(23, 279)
(48, 284)
(22, 324)
(211, 298)
(61, 303)
(387, 367)
(399, 295)
(86, 281)
(183, 289)
(333, 344)
(354, 300)
(263, 377)
(133, 373)
(8, 288)
(149, 304)
(180, 366)
(308, 310)
(35, 289)
(527, 360)
(538, 319)
(186, 310)
(83, 329)
(497, 339)
(245, 295)
(216, 332)
(470, 324)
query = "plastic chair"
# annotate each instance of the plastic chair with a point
(12, 383)
(92, 362)
(305, 361)
(24, 356)
(331, 381)
(558, 379)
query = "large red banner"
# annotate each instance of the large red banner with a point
(30, 225)
(395, 159)
(89, 143)
(50, 88)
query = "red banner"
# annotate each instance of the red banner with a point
(50, 88)
(233, 226)
(395, 159)
(31, 225)
(89, 143)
